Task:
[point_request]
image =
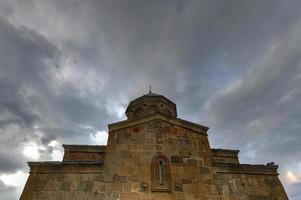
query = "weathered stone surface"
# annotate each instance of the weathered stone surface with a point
(125, 168)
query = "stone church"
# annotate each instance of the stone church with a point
(152, 155)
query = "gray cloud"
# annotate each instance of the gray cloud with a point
(7, 192)
(295, 191)
(69, 68)
(8, 162)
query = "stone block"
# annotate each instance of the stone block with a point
(178, 187)
(259, 197)
(127, 196)
(204, 170)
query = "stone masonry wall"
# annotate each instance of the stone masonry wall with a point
(64, 186)
(130, 152)
(193, 174)
(249, 187)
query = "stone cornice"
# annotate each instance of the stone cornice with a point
(84, 148)
(177, 121)
(225, 150)
(69, 167)
(227, 153)
(246, 169)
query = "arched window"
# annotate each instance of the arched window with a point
(161, 174)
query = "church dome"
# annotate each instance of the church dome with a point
(149, 104)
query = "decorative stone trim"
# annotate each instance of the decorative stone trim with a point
(161, 179)
(177, 121)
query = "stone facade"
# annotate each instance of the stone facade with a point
(152, 155)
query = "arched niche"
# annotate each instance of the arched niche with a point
(161, 177)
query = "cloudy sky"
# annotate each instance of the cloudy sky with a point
(70, 67)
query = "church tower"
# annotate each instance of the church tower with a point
(156, 150)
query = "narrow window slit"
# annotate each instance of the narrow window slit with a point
(160, 172)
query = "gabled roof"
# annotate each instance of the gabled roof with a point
(159, 116)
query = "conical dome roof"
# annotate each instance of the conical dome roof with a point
(149, 104)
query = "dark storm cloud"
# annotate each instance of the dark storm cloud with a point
(31, 107)
(69, 68)
(9, 164)
(264, 99)
(23, 53)
(27, 101)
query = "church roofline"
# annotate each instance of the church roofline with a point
(180, 122)
(228, 168)
(84, 148)
(51, 163)
(65, 167)
(224, 150)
